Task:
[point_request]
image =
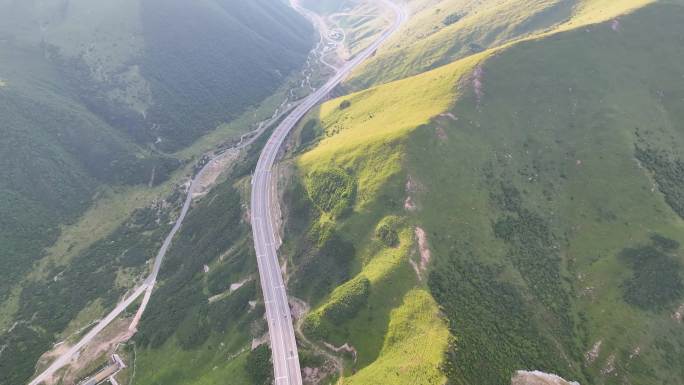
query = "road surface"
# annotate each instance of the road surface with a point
(281, 332)
(147, 286)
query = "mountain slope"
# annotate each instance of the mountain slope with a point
(542, 178)
(554, 196)
(97, 100)
(442, 31)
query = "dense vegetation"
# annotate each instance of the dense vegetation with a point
(74, 101)
(53, 158)
(258, 365)
(556, 241)
(333, 190)
(533, 254)
(43, 311)
(656, 281)
(668, 173)
(93, 104)
(497, 331)
(526, 187)
(180, 304)
(227, 56)
(194, 316)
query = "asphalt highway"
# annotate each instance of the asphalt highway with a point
(281, 331)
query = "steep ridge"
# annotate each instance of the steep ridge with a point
(508, 165)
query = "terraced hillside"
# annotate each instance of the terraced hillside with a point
(517, 209)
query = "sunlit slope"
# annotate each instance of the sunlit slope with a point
(442, 31)
(367, 135)
(416, 339)
(526, 168)
(359, 153)
(550, 199)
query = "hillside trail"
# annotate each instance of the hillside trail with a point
(304, 309)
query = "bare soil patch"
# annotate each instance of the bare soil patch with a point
(523, 377)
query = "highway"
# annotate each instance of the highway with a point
(281, 331)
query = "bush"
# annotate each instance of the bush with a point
(656, 282)
(665, 244)
(451, 19)
(308, 133)
(347, 300)
(496, 329)
(258, 365)
(228, 311)
(345, 104)
(387, 231)
(332, 190)
(326, 266)
(194, 330)
(669, 175)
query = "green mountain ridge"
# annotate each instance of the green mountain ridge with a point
(533, 178)
(501, 192)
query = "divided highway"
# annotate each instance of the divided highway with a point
(281, 331)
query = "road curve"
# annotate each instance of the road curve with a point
(281, 332)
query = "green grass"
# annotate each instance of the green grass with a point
(212, 364)
(568, 144)
(557, 121)
(427, 42)
(416, 339)
(365, 137)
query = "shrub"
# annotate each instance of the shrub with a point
(347, 300)
(451, 19)
(258, 365)
(669, 175)
(308, 133)
(387, 231)
(332, 190)
(664, 243)
(655, 281)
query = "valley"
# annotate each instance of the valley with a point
(376, 192)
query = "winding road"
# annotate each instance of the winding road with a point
(281, 331)
(285, 356)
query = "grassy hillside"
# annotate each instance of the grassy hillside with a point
(555, 196)
(87, 87)
(55, 154)
(198, 330)
(97, 100)
(209, 62)
(546, 177)
(164, 72)
(441, 31)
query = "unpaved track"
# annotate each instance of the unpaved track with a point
(267, 159)
(147, 286)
